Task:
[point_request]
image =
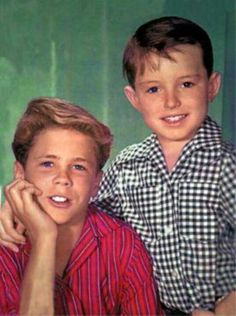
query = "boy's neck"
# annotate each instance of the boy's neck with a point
(66, 240)
(172, 152)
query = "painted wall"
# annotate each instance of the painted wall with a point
(73, 49)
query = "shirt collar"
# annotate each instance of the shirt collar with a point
(209, 136)
(96, 227)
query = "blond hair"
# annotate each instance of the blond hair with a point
(46, 112)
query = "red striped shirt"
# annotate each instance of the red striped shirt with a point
(109, 272)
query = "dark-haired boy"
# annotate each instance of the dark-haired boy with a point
(178, 187)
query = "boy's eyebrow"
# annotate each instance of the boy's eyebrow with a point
(190, 76)
(147, 81)
(47, 156)
(50, 156)
(80, 159)
(157, 81)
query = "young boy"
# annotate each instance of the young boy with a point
(178, 187)
(76, 259)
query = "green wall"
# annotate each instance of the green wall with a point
(73, 49)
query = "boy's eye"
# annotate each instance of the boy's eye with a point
(79, 167)
(187, 84)
(153, 90)
(47, 164)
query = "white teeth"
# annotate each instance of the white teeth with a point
(59, 199)
(174, 118)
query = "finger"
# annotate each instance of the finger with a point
(10, 192)
(7, 206)
(7, 230)
(19, 227)
(9, 233)
(10, 245)
(14, 195)
(11, 184)
(20, 185)
(22, 202)
(30, 204)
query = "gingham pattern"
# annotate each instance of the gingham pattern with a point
(186, 218)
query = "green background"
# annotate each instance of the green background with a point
(73, 49)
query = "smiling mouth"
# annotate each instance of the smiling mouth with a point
(59, 199)
(174, 118)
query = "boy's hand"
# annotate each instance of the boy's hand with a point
(22, 198)
(202, 313)
(10, 234)
(227, 307)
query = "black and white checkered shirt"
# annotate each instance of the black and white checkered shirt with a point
(186, 218)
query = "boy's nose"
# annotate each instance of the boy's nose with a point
(63, 179)
(171, 101)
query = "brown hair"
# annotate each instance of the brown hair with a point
(45, 112)
(157, 36)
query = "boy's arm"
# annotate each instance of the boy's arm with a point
(25, 297)
(37, 288)
(38, 282)
(227, 305)
(228, 190)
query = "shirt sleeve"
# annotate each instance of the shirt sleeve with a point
(228, 190)
(139, 292)
(9, 285)
(227, 275)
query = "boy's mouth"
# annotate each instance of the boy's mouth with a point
(174, 118)
(60, 200)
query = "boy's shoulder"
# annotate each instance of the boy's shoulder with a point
(229, 150)
(105, 224)
(229, 160)
(210, 135)
(118, 239)
(138, 151)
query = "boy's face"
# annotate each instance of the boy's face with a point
(173, 94)
(62, 164)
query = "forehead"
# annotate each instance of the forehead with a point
(186, 56)
(67, 143)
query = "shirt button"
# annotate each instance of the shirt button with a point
(175, 274)
(168, 229)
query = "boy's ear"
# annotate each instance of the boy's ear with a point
(97, 183)
(214, 85)
(131, 96)
(18, 170)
